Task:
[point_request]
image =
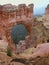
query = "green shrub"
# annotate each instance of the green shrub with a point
(9, 53)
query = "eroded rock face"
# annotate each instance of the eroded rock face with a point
(46, 14)
(11, 15)
(24, 44)
(3, 45)
(6, 60)
(46, 21)
(42, 50)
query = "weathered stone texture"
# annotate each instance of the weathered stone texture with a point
(11, 15)
(47, 13)
(46, 21)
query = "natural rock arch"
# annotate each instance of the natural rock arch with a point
(11, 15)
(8, 32)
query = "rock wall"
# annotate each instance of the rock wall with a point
(47, 13)
(46, 21)
(11, 15)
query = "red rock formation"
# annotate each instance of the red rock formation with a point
(42, 50)
(47, 13)
(46, 22)
(11, 15)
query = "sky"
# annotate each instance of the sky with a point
(37, 3)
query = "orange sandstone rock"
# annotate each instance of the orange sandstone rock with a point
(11, 15)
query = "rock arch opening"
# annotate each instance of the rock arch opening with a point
(18, 32)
